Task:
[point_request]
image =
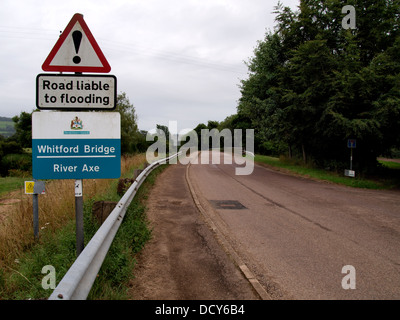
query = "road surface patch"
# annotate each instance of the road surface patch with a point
(227, 204)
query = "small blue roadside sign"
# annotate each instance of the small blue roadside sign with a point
(351, 143)
(76, 145)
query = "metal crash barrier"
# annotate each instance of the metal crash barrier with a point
(79, 279)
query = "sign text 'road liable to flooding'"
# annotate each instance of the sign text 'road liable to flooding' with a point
(66, 92)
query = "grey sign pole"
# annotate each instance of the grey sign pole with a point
(79, 216)
(38, 188)
(79, 211)
(35, 202)
(351, 159)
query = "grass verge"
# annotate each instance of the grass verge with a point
(388, 181)
(22, 277)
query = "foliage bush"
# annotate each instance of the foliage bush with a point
(16, 164)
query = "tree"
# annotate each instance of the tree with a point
(131, 138)
(198, 129)
(308, 77)
(259, 106)
(164, 129)
(23, 128)
(163, 133)
(313, 84)
(212, 124)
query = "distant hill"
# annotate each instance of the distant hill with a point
(6, 127)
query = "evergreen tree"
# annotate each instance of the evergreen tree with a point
(313, 84)
(131, 139)
(23, 128)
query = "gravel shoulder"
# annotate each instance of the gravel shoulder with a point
(183, 260)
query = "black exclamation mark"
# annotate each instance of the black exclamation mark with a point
(77, 37)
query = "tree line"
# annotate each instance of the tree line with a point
(313, 84)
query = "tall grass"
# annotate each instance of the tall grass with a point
(24, 278)
(56, 210)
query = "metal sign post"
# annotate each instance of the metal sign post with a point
(79, 216)
(35, 203)
(351, 144)
(73, 144)
(351, 159)
(35, 188)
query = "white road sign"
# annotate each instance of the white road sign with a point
(67, 92)
(76, 50)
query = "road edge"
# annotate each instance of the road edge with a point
(262, 293)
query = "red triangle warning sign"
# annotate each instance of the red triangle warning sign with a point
(76, 50)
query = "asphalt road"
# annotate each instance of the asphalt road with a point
(295, 235)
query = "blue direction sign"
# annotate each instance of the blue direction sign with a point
(351, 143)
(76, 145)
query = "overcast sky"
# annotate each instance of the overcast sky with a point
(177, 60)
